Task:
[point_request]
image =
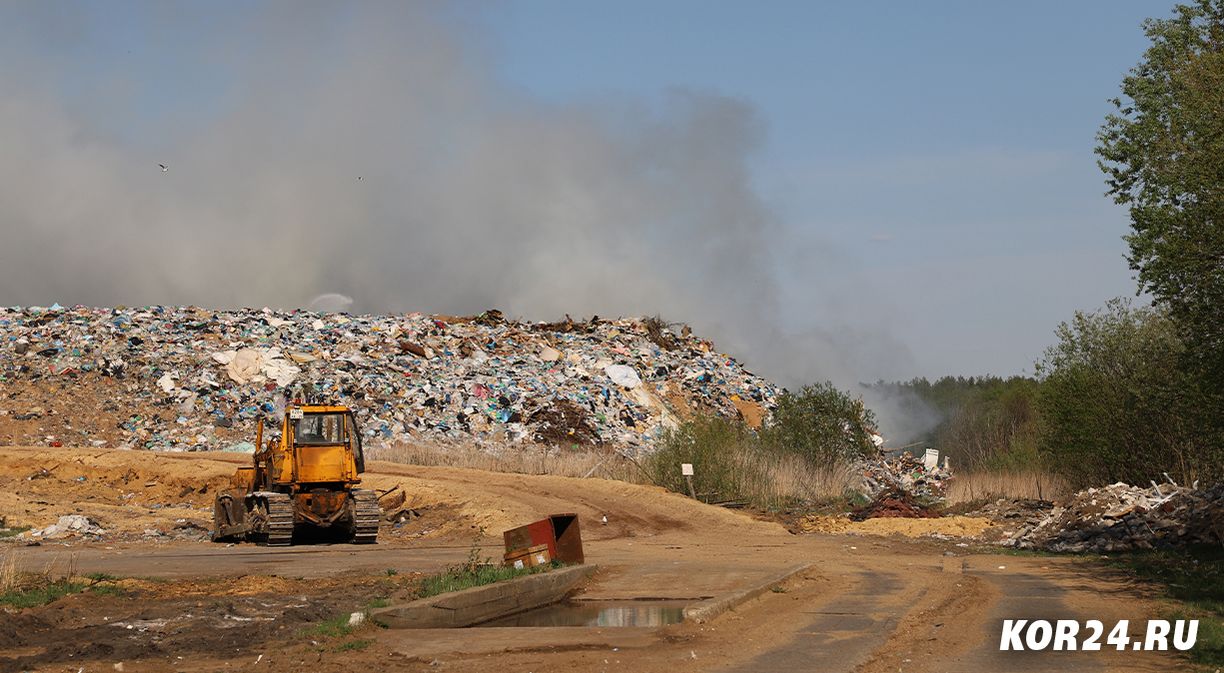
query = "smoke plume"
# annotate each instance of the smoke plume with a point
(372, 152)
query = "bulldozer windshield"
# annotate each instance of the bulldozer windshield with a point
(317, 429)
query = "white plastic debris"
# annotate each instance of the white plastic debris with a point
(623, 375)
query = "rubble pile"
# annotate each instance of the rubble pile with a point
(1120, 517)
(206, 375)
(906, 473)
(69, 525)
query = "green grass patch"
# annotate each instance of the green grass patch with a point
(377, 603)
(106, 590)
(31, 597)
(336, 627)
(13, 532)
(100, 577)
(471, 575)
(1194, 579)
(353, 646)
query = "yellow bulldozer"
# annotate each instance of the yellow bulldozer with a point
(304, 479)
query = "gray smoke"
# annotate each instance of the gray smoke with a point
(371, 152)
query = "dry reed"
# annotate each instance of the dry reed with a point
(1028, 485)
(8, 571)
(528, 459)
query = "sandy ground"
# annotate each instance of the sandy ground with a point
(868, 603)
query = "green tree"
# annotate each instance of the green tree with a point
(1113, 401)
(1163, 153)
(821, 423)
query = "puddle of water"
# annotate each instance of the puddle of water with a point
(598, 613)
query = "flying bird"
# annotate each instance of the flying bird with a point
(164, 167)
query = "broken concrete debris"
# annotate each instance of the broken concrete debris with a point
(1121, 517)
(196, 379)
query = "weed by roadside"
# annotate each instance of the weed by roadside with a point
(34, 590)
(336, 627)
(473, 572)
(13, 532)
(459, 578)
(1194, 579)
(339, 627)
(40, 594)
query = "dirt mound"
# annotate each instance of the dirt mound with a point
(130, 493)
(942, 527)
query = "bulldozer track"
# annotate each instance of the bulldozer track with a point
(278, 526)
(366, 516)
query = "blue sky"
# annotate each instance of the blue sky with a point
(924, 171)
(945, 146)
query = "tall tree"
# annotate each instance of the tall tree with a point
(1162, 151)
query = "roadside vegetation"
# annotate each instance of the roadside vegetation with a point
(801, 459)
(1194, 579)
(1111, 402)
(27, 590)
(474, 572)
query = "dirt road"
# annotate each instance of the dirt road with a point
(869, 604)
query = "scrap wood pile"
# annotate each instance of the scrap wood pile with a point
(201, 376)
(1121, 517)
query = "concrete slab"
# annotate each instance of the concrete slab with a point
(481, 604)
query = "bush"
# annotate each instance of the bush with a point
(714, 446)
(1115, 404)
(731, 463)
(822, 424)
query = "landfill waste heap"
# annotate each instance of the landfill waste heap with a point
(187, 378)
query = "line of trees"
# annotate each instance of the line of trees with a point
(1111, 402)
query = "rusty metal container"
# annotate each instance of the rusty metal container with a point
(528, 558)
(559, 532)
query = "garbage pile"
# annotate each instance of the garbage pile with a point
(905, 473)
(70, 525)
(1121, 517)
(186, 378)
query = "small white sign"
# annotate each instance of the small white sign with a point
(296, 414)
(686, 469)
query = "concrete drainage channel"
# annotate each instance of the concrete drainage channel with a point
(540, 600)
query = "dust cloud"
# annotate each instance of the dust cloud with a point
(327, 154)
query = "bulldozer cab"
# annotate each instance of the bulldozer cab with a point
(320, 444)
